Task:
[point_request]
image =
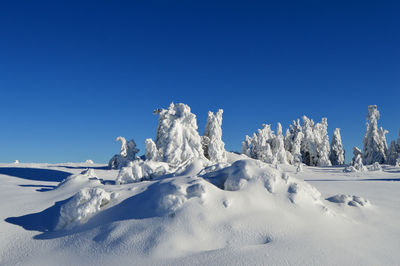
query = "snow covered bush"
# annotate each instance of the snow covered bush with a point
(139, 170)
(177, 138)
(213, 146)
(375, 146)
(83, 205)
(375, 167)
(128, 153)
(337, 152)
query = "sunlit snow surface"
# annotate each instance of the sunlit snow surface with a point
(243, 212)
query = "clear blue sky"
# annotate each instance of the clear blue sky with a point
(76, 74)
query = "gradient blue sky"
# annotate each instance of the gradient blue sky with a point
(75, 75)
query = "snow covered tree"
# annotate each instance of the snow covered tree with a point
(246, 146)
(392, 153)
(322, 142)
(128, 153)
(356, 163)
(375, 147)
(213, 146)
(293, 140)
(278, 146)
(177, 138)
(308, 146)
(337, 152)
(151, 150)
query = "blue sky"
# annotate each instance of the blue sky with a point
(75, 75)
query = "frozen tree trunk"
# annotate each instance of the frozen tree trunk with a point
(177, 138)
(374, 145)
(214, 147)
(337, 152)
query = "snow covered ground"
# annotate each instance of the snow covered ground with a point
(242, 212)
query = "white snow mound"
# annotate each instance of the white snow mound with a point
(82, 206)
(349, 200)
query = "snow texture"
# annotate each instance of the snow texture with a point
(83, 205)
(349, 200)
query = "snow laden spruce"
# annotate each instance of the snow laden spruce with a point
(307, 143)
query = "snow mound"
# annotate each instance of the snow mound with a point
(244, 173)
(89, 161)
(375, 167)
(349, 200)
(89, 172)
(83, 205)
(139, 170)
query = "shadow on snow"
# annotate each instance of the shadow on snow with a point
(36, 174)
(140, 206)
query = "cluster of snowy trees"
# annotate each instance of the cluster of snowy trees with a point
(177, 139)
(307, 142)
(375, 149)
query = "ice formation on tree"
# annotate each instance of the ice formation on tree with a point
(394, 152)
(177, 138)
(375, 147)
(308, 143)
(265, 146)
(337, 152)
(213, 146)
(151, 150)
(356, 163)
(128, 153)
(293, 138)
(279, 146)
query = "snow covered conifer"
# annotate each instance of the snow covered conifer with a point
(128, 153)
(177, 138)
(246, 146)
(279, 146)
(151, 150)
(337, 152)
(322, 142)
(356, 163)
(308, 145)
(214, 147)
(392, 153)
(375, 147)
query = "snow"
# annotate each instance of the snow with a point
(242, 211)
(189, 202)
